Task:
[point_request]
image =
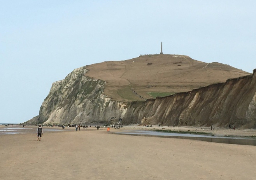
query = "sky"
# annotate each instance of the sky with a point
(42, 41)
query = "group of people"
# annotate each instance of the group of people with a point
(78, 127)
(40, 130)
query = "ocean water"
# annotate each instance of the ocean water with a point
(9, 123)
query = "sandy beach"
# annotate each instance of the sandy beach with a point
(98, 154)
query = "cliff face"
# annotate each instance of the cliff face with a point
(232, 102)
(78, 99)
(81, 99)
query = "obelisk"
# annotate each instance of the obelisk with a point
(161, 49)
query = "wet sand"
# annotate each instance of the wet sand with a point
(92, 154)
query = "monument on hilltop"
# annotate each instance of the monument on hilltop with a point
(161, 49)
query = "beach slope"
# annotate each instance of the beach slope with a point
(98, 154)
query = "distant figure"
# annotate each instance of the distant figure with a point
(79, 127)
(98, 127)
(39, 132)
(76, 127)
(63, 127)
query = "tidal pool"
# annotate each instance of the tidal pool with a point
(201, 137)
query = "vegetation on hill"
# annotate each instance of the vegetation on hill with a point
(158, 75)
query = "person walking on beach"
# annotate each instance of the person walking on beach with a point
(39, 132)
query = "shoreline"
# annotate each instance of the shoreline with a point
(178, 129)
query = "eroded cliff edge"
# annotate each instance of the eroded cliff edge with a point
(230, 103)
(81, 99)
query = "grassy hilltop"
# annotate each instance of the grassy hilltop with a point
(149, 76)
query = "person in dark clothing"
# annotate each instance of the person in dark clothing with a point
(39, 132)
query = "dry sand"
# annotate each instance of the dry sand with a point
(92, 154)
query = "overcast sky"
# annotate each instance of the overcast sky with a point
(41, 41)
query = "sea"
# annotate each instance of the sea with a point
(8, 123)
